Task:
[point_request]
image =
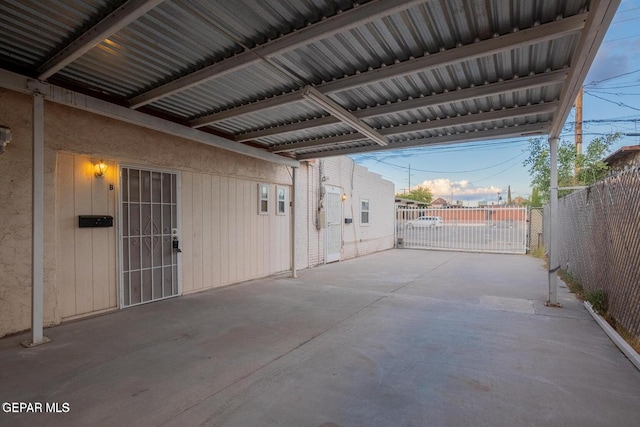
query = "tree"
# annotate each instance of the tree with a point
(591, 166)
(536, 202)
(419, 194)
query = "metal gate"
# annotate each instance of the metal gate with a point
(149, 201)
(495, 229)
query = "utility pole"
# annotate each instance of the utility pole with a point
(578, 128)
(509, 195)
(409, 178)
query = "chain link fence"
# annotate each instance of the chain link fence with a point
(535, 237)
(599, 242)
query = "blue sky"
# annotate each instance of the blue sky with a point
(479, 171)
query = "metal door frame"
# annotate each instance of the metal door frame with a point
(120, 236)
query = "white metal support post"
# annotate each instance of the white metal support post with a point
(294, 190)
(554, 263)
(37, 237)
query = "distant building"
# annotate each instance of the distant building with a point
(439, 203)
(400, 201)
(624, 157)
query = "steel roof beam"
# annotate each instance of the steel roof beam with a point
(274, 101)
(509, 132)
(292, 127)
(320, 142)
(484, 48)
(487, 90)
(112, 23)
(527, 37)
(326, 28)
(469, 119)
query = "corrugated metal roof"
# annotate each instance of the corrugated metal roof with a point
(228, 64)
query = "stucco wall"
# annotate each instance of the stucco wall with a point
(15, 216)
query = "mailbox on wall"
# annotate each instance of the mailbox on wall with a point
(95, 221)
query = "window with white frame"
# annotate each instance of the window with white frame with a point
(263, 199)
(281, 201)
(364, 211)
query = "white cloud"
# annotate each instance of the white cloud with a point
(462, 190)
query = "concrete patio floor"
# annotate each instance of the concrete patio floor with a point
(398, 338)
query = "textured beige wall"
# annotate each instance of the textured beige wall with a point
(69, 130)
(15, 215)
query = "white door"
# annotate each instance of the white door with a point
(149, 203)
(333, 240)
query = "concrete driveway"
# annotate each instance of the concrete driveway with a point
(399, 338)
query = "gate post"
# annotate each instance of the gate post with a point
(554, 259)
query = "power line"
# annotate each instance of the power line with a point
(494, 175)
(605, 121)
(628, 10)
(449, 172)
(614, 87)
(448, 148)
(606, 92)
(619, 104)
(621, 38)
(597, 82)
(626, 20)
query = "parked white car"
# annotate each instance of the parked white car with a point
(425, 221)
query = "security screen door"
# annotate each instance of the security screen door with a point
(149, 224)
(333, 241)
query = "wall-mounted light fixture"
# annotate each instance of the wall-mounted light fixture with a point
(100, 168)
(344, 197)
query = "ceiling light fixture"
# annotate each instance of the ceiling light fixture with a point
(346, 117)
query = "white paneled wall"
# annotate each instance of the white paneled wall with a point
(86, 257)
(224, 238)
